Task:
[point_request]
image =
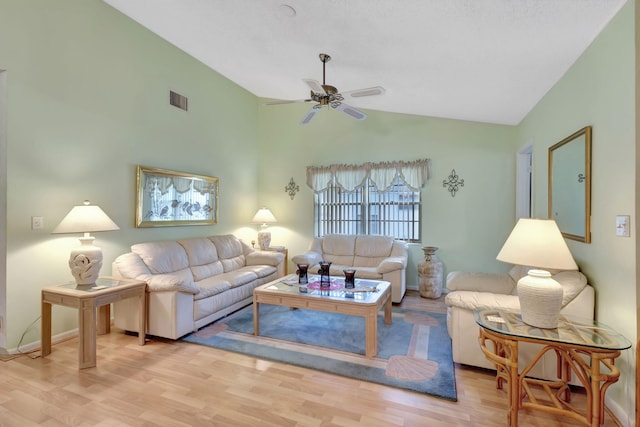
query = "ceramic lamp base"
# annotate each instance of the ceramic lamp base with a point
(264, 239)
(85, 262)
(540, 299)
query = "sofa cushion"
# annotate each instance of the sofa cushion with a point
(203, 257)
(481, 282)
(366, 273)
(162, 257)
(261, 270)
(239, 277)
(233, 264)
(227, 246)
(339, 249)
(200, 250)
(212, 286)
(371, 250)
(201, 272)
(230, 252)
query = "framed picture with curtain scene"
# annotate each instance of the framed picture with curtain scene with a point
(167, 198)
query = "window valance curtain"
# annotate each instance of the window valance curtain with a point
(414, 174)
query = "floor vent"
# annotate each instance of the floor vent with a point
(178, 100)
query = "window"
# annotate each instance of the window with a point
(373, 199)
(396, 212)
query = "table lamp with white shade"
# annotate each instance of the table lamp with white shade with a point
(264, 217)
(86, 260)
(538, 243)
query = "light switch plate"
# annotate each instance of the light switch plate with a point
(622, 225)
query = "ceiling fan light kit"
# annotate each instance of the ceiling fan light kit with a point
(328, 96)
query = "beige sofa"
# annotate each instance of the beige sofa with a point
(373, 257)
(467, 291)
(192, 282)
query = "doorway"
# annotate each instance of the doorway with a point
(524, 182)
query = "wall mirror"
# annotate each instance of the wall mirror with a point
(570, 185)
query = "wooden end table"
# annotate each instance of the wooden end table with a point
(582, 348)
(88, 298)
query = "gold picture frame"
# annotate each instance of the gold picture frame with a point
(569, 190)
(168, 198)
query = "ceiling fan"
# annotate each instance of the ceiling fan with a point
(329, 96)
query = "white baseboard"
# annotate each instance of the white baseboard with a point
(36, 344)
(623, 416)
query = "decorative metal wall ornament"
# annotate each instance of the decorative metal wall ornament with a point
(292, 188)
(453, 182)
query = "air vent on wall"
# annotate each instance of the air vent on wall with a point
(178, 100)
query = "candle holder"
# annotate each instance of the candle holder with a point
(325, 278)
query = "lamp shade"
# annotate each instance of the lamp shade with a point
(537, 243)
(85, 219)
(85, 261)
(263, 216)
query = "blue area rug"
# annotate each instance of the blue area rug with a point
(414, 352)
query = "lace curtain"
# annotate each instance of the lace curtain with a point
(413, 174)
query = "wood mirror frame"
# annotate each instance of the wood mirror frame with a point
(570, 185)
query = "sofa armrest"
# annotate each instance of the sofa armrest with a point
(392, 264)
(179, 281)
(470, 300)
(480, 282)
(310, 258)
(265, 258)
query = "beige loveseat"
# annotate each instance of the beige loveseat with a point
(373, 257)
(192, 282)
(467, 291)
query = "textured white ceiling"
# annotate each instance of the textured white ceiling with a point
(480, 60)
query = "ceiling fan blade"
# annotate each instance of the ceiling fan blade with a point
(370, 91)
(315, 86)
(310, 115)
(351, 112)
(284, 101)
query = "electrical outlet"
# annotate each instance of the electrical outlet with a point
(37, 223)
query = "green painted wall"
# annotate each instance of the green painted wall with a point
(469, 228)
(599, 90)
(88, 92)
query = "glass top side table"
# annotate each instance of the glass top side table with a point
(583, 347)
(571, 330)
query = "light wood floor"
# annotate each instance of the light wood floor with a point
(171, 383)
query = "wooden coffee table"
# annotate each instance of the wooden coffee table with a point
(357, 302)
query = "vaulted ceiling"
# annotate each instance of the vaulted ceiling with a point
(479, 60)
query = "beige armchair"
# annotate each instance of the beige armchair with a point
(468, 291)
